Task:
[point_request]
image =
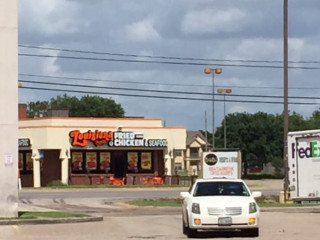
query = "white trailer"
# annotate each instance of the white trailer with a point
(222, 164)
(304, 165)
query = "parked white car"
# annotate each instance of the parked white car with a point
(220, 204)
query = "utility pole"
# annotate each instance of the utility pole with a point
(206, 130)
(285, 96)
(9, 109)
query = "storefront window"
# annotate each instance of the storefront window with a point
(102, 162)
(20, 161)
(25, 163)
(146, 160)
(91, 161)
(29, 162)
(105, 161)
(133, 161)
(77, 159)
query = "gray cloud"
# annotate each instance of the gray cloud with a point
(225, 30)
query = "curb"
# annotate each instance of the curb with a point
(50, 220)
(291, 209)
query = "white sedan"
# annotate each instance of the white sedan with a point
(220, 204)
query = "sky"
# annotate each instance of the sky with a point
(150, 56)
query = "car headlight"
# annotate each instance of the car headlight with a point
(252, 207)
(195, 208)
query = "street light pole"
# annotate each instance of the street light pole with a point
(206, 132)
(213, 123)
(213, 71)
(224, 91)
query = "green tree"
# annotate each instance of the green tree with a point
(314, 121)
(37, 108)
(209, 136)
(64, 101)
(298, 123)
(87, 106)
(258, 136)
(95, 106)
(277, 163)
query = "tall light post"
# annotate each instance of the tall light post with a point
(224, 91)
(213, 71)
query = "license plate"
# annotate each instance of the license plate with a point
(224, 221)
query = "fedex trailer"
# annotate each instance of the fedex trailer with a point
(304, 165)
(222, 164)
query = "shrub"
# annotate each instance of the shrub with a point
(56, 183)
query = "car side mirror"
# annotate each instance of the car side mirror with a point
(256, 194)
(184, 194)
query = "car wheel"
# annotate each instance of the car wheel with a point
(191, 233)
(254, 232)
(187, 230)
(184, 228)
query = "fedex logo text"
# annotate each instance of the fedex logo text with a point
(312, 151)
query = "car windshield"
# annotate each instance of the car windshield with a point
(220, 189)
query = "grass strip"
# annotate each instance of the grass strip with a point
(45, 215)
(177, 202)
(277, 204)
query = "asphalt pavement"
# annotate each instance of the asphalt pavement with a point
(95, 200)
(31, 199)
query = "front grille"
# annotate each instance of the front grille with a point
(230, 211)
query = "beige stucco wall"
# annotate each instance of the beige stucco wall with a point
(97, 122)
(197, 143)
(9, 108)
(53, 133)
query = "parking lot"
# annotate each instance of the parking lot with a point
(123, 222)
(162, 223)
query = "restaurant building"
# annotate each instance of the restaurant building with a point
(94, 150)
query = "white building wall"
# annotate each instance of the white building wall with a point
(9, 108)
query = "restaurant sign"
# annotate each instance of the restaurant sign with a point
(114, 139)
(24, 142)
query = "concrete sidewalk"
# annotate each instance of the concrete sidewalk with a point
(24, 207)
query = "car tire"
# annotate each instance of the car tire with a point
(191, 233)
(184, 228)
(254, 232)
(187, 230)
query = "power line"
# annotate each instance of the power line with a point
(168, 97)
(158, 83)
(116, 81)
(115, 88)
(163, 62)
(161, 91)
(161, 57)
